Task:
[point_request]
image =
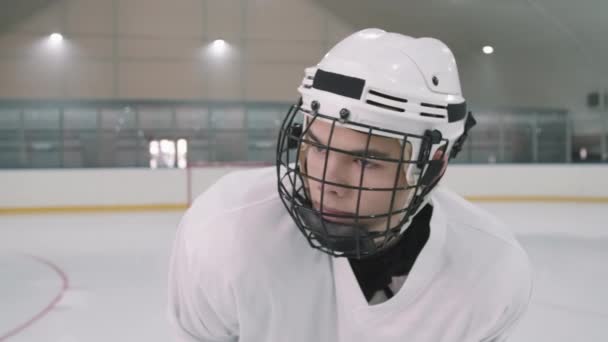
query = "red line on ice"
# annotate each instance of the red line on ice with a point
(49, 307)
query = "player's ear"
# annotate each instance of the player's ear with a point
(407, 156)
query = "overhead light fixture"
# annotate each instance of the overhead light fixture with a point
(56, 38)
(218, 48)
(488, 50)
(219, 44)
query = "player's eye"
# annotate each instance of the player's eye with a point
(319, 148)
(366, 163)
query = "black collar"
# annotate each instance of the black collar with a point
(375, 273)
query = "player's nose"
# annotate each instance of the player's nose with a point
(335, 177)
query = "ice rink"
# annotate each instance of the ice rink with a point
(102, 277)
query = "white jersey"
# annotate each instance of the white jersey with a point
(242, 271)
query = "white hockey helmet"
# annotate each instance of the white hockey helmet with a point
(385, 84)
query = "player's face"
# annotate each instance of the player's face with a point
(346, 169)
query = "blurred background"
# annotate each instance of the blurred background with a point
(116, 114)
(88, 83)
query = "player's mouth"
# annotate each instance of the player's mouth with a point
(334, 215)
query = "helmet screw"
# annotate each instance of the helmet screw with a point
(435, 136)
(344, 114)
(435, 80)
(315, 106)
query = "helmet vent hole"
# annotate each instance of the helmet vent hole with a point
(385, 106)
(430, 105)
(438, 116)
(388, 97)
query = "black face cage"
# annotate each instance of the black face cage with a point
(349, 240)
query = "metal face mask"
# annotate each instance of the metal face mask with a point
(375, 204)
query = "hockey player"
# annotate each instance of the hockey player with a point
(360, 242)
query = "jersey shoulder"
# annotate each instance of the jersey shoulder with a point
(224, 219)
(240, 223)
(238, 189)
(461, 215)
(484, 245)
(490, 257)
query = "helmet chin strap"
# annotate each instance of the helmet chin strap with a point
(468, 124)
(435, 168)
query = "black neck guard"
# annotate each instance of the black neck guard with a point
(375, 273)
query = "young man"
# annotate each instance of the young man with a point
(359, 243)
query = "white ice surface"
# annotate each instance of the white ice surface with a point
(117, 266)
